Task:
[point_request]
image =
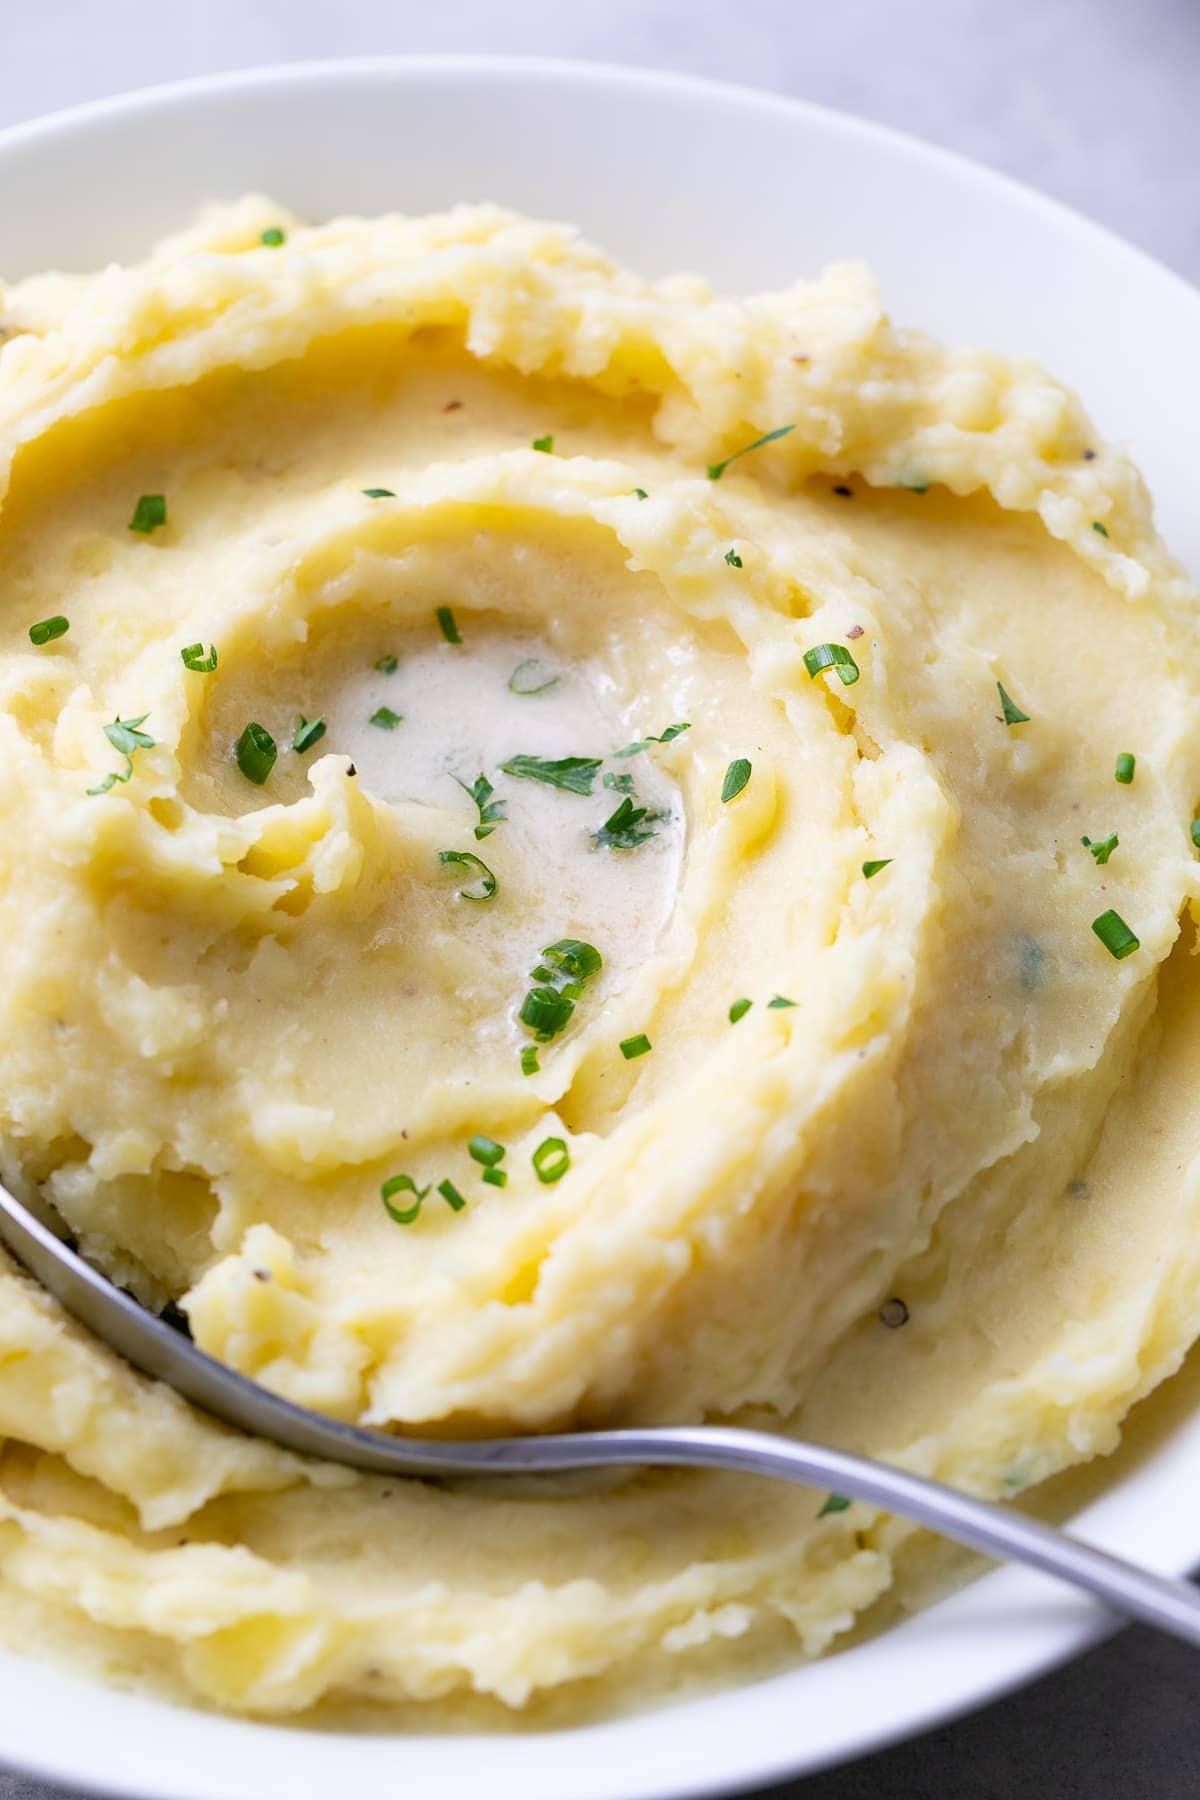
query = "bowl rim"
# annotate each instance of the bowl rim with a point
(998, 1599)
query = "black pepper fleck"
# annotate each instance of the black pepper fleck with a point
(893, 1313)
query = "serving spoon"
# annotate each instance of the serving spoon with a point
(161, 1351)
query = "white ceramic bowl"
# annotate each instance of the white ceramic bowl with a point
(666, 173)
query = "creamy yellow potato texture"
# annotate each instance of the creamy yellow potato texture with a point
(563, 859)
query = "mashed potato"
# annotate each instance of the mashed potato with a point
(564, 859)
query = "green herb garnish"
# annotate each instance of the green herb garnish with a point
(1012, 712)
(486, 1150)
(546, 1012)
(836, 1503)
(307, 733)
(544, 444)
(635, 1046)
(272, 236)
(195, 659)
(566, 966)
(496, 1177)
(732, 558)
(491, 812)
(126, 737)
(573, 959)
(485, 881)
(622, 784)
(1195, 829)
(831, 656)
(451, 1195)
(716, 470)
(385, 718)
(529, 1061)
(628, 827)
(739, 1009)
(1102, 529)
(736, 776)
(256, 752)
(1115, 935)
(1126, 764)
(1103, 850)
(551, 1160)
(450, 631)
(379, 493)
(402, 1184)
(666, 737)
(387, 665)
(531, 677)
(149, 513)
(46, 630)
(780, 1001)
(574, 774)
(873, 868)
(641, 493)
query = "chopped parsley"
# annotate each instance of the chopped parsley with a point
(621, 784)
(273, 236)
(780, 1001)
(716, 470)
(1102, 529)
(149, 513)
(126, 737)
(1104, 849)
(491, 812)
(736, 777)
(836, 1503)
(551, 1160)
(641, 494)
(450, 631)
(256, 752)
(307, 733)
(574, 774)
(831, 656)
(385, 718)
(531, 677)
(873, 868)
(1126, 764)
(666, 737)
(739, 1009)
(387, 665)
(732, 558)
(1012, 712)
(632, 1047)
(627, 827)
(46, 630)
(544, 444)
(379, 493)
(484, 882)
(1115, 935)
(195, 659)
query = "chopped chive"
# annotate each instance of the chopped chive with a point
(1103, 850)
(379, 493)
(1195, 828)
(149, 513)
(1126, 764)
(551, 1160)
(716, 470)
(574, 774)
(627, 827)
(544, 444)
(915, 487)
(529, 1061)
(450, 631)
(485, 1150)
(195, 659)
(574, 958)
(1115, 935)
(385, 718)
(780, 1000)
(831, 656)
(491, 812)
(387, 665)
(496, 1177)
(1102, 529)
(1012, 713)
(402, 1184)
(531, 677)
(732, 558)
(546, 1012)
(641, 493)
(451, 1195)
(272, 236)
(836, 1503)
(485, 881)
(307, 733)
(739, 1009)
(736, 776)
(635, 1046)
(873, 868)
(256, 752)
(46, 630)
(665, 737)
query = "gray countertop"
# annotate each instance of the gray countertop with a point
(1095, 102)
